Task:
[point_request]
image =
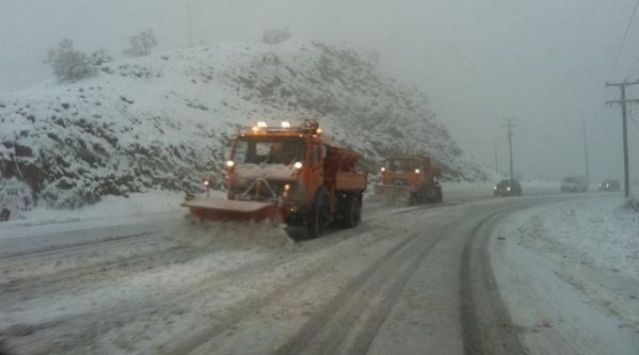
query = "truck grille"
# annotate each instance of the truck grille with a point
(264, 193)
(399, 182)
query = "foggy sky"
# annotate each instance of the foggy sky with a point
(543, 63)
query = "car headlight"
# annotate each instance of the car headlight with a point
(508, 188)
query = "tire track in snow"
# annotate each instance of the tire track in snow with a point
(486, 324)
(366, 300)
(100, 321)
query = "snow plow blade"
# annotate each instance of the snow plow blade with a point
(232, 210)
(393, 192)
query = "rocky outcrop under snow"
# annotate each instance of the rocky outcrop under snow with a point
(155, 122)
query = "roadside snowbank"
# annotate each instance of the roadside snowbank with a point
(110, 207)
(569, 274)
(599, 230)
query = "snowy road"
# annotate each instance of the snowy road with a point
(408, 280)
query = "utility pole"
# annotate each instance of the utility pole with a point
(624, 118)
(510, 149)
(586, 154)
(496, 161)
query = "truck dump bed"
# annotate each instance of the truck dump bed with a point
(339, 168)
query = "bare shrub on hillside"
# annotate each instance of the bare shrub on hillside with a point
(68, 63)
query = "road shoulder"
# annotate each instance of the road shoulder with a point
(560, 291)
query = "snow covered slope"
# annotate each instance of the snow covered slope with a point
(156, 122)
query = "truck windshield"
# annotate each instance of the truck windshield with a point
(268, 151)
(403, 164)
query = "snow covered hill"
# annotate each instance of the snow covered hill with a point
(157, 122)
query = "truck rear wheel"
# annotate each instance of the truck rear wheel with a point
(353, 211)
(320, 215)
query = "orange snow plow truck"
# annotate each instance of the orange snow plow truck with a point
(410, 178)
(290, 174)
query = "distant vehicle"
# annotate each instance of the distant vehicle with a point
(610, 185)
(410, 178)
(15, 198)
(574, 184)
(508, 187)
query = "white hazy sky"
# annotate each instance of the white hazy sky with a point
(543, 63)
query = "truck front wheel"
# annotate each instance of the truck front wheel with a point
(439, 197)
(320, 214)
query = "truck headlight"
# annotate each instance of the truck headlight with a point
(298, 165)
(382, 169)
(417, 171)
(230, 163)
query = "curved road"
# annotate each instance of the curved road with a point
(408, 280)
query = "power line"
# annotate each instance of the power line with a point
(623, 40)
(634, 65)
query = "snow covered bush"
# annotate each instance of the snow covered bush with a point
(16, 197)
(100, 57)
(69, 64)
(140, 44)
(632, 203)
(276, 35)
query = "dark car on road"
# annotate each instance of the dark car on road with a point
(508, 187)
(610, 185)
(574, 184)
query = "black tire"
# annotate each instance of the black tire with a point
(4, 215)
(352, 212)
(320, 214)
(439, 197)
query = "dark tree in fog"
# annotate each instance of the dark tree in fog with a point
(276, 35)
(140, 44)
(69, 63)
